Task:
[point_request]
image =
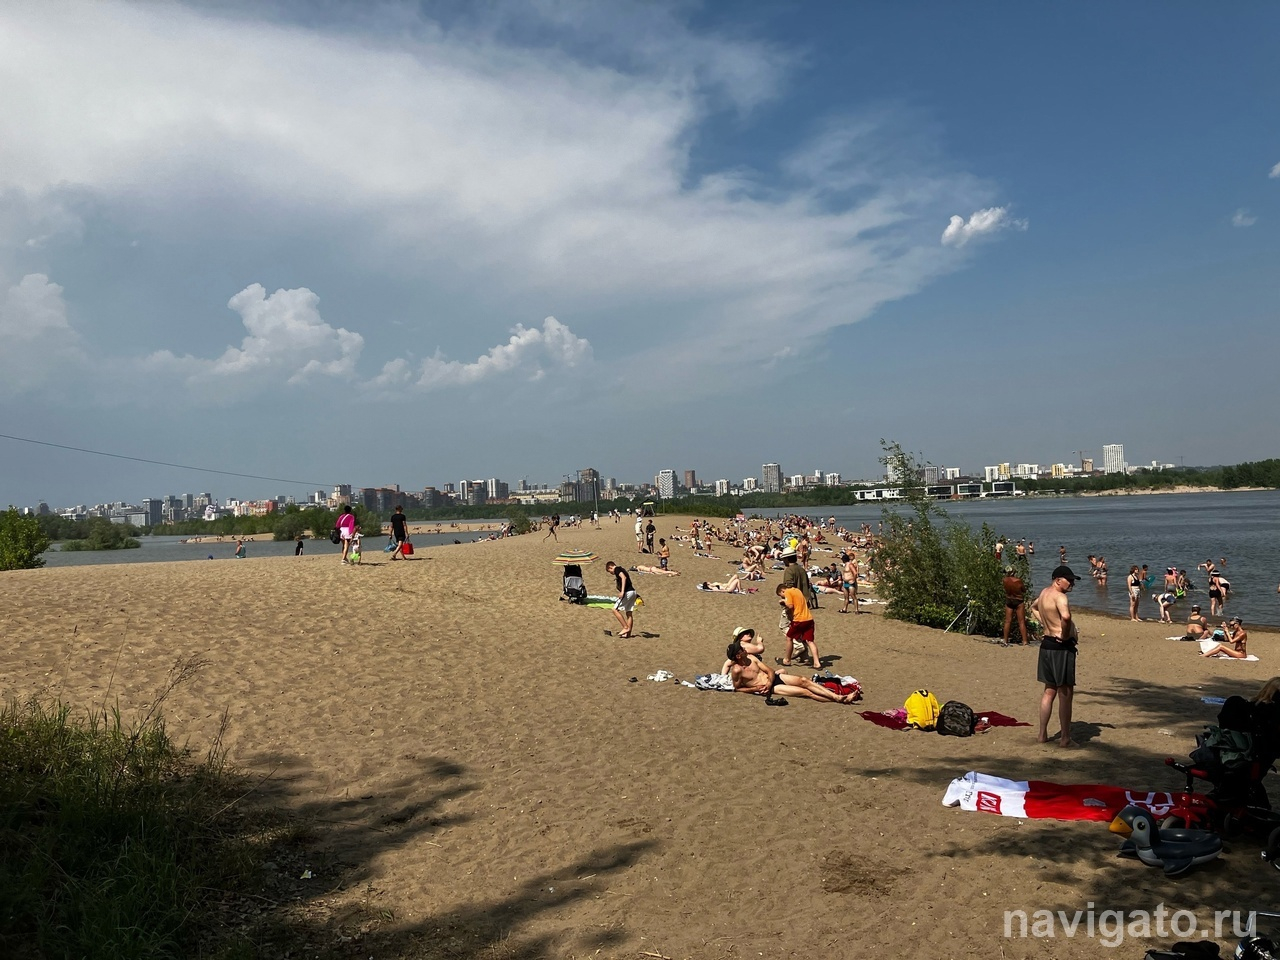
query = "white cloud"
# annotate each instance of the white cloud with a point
(530, 351)
(525, 173)
(1243, 218)
(1275, 172)
(287, 341)
(38, 340)
(981, 223)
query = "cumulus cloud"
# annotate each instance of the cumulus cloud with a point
(530, 351)
(488, 161)
(38, 340)
(1275, 172)
(1243, 218)
(980, 224)
(287, 340)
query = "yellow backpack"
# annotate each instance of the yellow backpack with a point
(922, 710)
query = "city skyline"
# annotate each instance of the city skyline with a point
(505, 239)
(588, 484)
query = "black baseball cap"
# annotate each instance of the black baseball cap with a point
(1065, 573)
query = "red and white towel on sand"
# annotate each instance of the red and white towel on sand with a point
(1041, 800)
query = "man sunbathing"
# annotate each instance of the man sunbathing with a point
(1237, 636)
(750, 675)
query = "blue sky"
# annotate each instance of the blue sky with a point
(416, 243)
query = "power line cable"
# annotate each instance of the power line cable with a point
(162, 463)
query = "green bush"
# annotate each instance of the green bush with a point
(22, 542)
(928, 564)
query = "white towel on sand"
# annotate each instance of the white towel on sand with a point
(1207, 645)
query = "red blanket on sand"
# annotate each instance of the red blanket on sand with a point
(896, 723)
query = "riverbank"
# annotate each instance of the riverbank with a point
(1179, 488)
(478, 763)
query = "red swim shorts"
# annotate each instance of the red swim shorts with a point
(801, 630)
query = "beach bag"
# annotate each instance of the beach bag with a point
(335, 536)
(922, 710)
(955, 719)
(406, 549)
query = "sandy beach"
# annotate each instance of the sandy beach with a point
(482, 778)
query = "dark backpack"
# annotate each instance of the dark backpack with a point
(335, 536)
(955, 719)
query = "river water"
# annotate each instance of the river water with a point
(1166, 530)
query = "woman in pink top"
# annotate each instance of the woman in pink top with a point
(346, 530)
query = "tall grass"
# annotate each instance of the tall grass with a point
(113, 840)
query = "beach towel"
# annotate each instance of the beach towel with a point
(596, 600)
(1041, 800)
(1207, 645)
(897, 720)
(731, 593)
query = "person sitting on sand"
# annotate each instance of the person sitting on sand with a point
(1197, 624)
(1237, 636)
(750, 675)
(733, 585)
(646, 568)
(750, 643)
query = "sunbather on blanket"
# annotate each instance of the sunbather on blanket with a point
(645, 568)
(750, 675)
(733, 585)
(1237, 636)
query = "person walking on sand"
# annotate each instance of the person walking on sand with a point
(1014, 604)
(551, 528)
(399, 533)
(624, 606)
(1056, 668)
(346, 530)
(297, 547)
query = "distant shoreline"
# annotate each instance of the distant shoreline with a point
(1151, 491)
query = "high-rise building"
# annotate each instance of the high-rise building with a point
(666, 484)
(588, 485)
(1086, 465)
(771, 477)
(497, 489)
(750, 483)
(691, 479)
(1113, 458)
(722, 488)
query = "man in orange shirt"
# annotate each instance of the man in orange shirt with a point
(796, 605)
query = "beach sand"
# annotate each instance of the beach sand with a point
(482, 779)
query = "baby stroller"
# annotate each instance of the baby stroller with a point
(1233, 757)
(575, 590)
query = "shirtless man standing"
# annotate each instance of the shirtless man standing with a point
(1057, 665)
(1015, 592)
(750, 675)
